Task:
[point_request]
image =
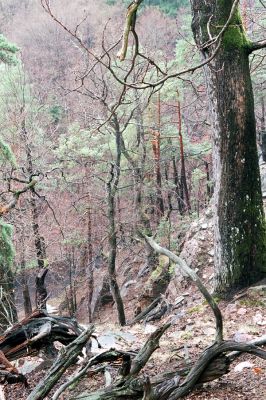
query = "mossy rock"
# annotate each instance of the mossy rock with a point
(157, 283)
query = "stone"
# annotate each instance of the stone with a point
(245, 364)
(204, 226)
(260, 288)
(258, 319)
(242, 311)
(242, 337)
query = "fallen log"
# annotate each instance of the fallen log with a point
(211, 365)
(66, 357)
(31, 335)
(147, 310)
(9, 373)
(36, 332)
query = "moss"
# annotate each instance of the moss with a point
(235, 35)
(186, 335)
(235, 38)
(6, 153)
(215, 297)
(252, 303)
(196, 309)
(6, 245)
(163, 265)
(172, 269)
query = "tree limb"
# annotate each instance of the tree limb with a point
(129, 25)
(5, 209)
(65, 358)
(261, 44)
(194, 277)
(146, 351)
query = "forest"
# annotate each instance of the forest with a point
(132, 199)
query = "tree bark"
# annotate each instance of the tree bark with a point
(25, 287)
(90, 265)
(65, 359)
(41, 292)
(178, 188)
(183, 177)
(239, 218)
(112, 186)
(38, 239)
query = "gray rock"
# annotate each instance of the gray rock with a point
(204, 226)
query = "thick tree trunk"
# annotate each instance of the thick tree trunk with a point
(112, 239)
(239, 217)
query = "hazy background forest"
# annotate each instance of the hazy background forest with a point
(72, 148)
(87, 164)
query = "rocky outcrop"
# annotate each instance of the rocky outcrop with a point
(197, 251)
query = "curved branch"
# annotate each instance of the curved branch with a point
(194, 277)
(204, 360)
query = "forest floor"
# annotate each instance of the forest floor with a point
(192, 330)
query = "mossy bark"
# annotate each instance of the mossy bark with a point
(240, 253)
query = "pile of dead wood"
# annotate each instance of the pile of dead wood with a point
(129, 383)
(39, 331)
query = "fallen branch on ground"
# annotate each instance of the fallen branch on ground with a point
(66, 357)
(34, 333)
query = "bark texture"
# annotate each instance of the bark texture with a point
(112, 188)
(239, 217)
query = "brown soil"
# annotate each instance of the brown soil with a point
(192, 330)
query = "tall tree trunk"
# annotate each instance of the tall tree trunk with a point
(169, 191)
(239, 218)
(156, 147)
(90, 264)
(183, 177)
(25, 287)
(263, 130)
(41, 292)
(178, 190)
(157, 158)
(112, 186)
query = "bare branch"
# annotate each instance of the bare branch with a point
(129, 26)
(192, 274)
(5, 209)
(261, 44)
